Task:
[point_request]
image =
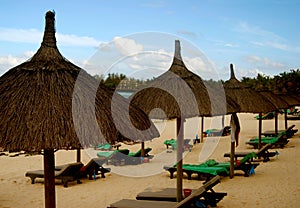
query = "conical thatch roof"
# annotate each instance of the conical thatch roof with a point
(48, 102)
(248, 99)
(181, 94)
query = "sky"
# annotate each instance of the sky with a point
(136, 37)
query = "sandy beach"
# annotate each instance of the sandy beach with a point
(275, 183)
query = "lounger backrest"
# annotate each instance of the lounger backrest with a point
(94, 164)
(290, 128)
(264, 148)
(70, 169)
(196, 194)
(147, 150)
(248, 157)
(212, 182)
(138, 153)
(123, 151)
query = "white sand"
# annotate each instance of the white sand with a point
(275, 183)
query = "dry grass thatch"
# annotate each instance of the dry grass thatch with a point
(181, 94)
(48, 102)
(275, 99)
(248, 99)
(291, 99)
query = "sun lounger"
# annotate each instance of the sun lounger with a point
(211, 168)
(139, 153)
(263, 152)
(192, 200)
(218, 132)
(107, 146)
(269, 115)
(202, 172)
(67, 173)
(289, 132)
(208, 198)
(135, 158)
(173, 143)
(280, 141)
(93, 168)
(116, 157)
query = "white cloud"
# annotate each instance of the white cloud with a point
(35, 36)
(7, 62)
(263, 37)
(264, 61)
(230, 45)
(127, 46)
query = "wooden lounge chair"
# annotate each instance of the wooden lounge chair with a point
(135, 158)
(280, 141)
(203, 173)
(139, 153)
(290, 132)
(190, 201)
(208, 198)
(67, 173)
(107, 146)
(173, 143)
(93, 168)
(218, 132)
(263, 152)
(116, 157)
(269, 115)
(211, 168)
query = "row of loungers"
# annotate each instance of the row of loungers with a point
(247, 162)
(212, 168)
(73, 171)
(166, 198)
(209, 171)
(270, 137)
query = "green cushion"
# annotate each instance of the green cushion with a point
(202, 169)
(170, 141)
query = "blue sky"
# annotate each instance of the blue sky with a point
(256, 36)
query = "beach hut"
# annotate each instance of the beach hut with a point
(249, 101)
(180, 94)
(48, 103)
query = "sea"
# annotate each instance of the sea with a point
(125, 94)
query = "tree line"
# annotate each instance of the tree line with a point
(286, 82)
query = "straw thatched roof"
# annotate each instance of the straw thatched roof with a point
(291, 99)
(276, 100)
(181, 94)
(48, 102)
(248, 99)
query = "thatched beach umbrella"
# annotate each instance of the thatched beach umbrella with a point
(48, 103)
(180, 94)
(275, 100)
(249, 101)
(291, 99)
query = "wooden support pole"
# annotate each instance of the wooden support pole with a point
(180, 135)
(259, 130)
(49, 180)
